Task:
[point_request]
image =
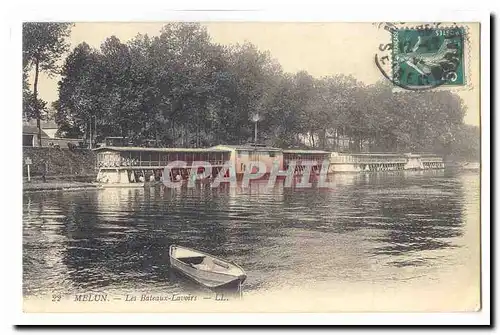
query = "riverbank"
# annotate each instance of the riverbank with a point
(57, 186)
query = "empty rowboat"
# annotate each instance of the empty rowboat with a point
(205, 269)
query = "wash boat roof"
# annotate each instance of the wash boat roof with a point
(245, 147)
(304, 151)
(194, 150)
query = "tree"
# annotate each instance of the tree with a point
(467, 146)
(31, 104)
(181, 89)
(80, 91)
(43, 45)
(256, 78)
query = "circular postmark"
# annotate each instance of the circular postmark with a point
(422, 57)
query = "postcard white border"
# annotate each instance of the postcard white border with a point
(92, 10)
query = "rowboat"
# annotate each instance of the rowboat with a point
(205, 269)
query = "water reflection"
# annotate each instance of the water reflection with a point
(367, 227)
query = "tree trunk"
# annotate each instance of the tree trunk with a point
(197, 129)
(323, 138)
(172, 128)
(35, 96)
(90, 132)
(336, 142)
(95, 127)
(156, 135)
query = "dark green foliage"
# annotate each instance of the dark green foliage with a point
(180, 89)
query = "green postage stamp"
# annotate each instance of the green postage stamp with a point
(428, 57)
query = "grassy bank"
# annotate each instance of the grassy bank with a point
(58, 169)
(60, 164)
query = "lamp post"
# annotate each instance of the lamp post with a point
(255, 119)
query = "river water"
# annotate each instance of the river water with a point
(374, 231)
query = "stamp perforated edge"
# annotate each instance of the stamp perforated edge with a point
(467, 86)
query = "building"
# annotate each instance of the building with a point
(49, 127)
(30, 135)
(49, 139)
(129, 165)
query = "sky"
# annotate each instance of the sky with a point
(321, 49)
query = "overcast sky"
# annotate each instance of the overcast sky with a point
(319, 48)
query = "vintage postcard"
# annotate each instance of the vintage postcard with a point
(233, 166)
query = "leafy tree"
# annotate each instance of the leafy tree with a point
(31, 105)
(80, 91)
(466, 146)
(255, 77)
